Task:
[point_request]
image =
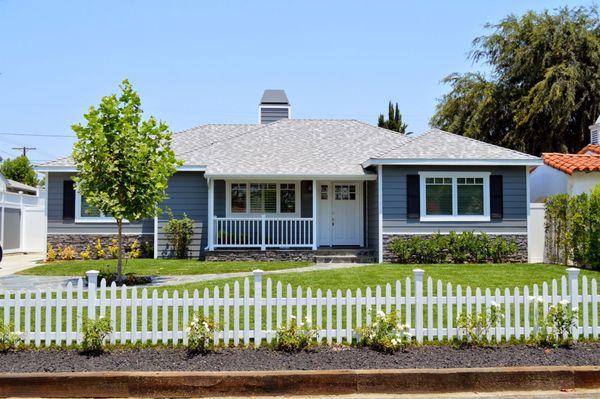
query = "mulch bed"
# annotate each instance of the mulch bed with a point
(162, 359)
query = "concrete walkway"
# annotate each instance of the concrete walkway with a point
(13, 263)
(18, 282)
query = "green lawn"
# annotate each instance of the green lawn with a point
(156, 267)
(483, 276)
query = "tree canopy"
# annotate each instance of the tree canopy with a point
(20, 169)
(394, 121)
(123, 162)
(541, 86)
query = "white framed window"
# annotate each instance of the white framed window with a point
(455, 196)
(85, 213)
(263, 198)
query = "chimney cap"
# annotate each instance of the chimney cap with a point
(274, 97)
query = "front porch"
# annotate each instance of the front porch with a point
(296, 218)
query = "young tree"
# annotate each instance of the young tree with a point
(543, 88)
(19, 169)
(123, 162)
(394, 121)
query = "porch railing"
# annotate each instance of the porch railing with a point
(263, 232)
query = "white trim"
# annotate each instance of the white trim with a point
(55, 169)
(421, 233)
(248, 214)
(79, 218)
(459, 162)
(315, 214)
(529, 259)
(380, 212)
(155, 237)
(283, 177)
(455, 217)
(211, 214)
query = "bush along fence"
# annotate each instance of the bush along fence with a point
(418, 309)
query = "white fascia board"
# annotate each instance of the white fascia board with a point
(459, 162)
(55, 169)
(291, 177)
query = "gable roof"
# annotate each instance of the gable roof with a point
(569, 163)
(590, 148)
(440, 146)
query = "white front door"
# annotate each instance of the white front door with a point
(346, 214)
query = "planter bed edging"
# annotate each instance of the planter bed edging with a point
(202, 384)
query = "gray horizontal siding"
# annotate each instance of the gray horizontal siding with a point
(56, 224)
(394, 202)
(268, 115)
(188, 194)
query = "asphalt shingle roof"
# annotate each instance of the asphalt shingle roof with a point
(438, 144)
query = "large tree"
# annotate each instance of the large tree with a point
(541, 88)
(123, 162)
(19, 169)
(394, 121)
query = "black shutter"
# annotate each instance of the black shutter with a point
(68, 200)
(496, 197)
(413, 200)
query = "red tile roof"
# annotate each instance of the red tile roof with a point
(570, 163)
(590, 148)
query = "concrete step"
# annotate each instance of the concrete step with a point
(336, 258)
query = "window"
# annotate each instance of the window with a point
(287, 196)
(345, 192)
(455, 196)
(85, 213)
(238, 198)
(263, 198)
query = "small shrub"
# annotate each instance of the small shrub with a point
(68, 253)
(200, 333)
(94, 333)
(134, 250)
(475, 327)
(386, 334)
(99, 250)
(147, 249)
(179, 234)
(129, 279)
(294, 336)
(113, 249)
(8, 339)
(402, 249)
(50, 253)
(556, 328)
(500, 249)
(87, 253)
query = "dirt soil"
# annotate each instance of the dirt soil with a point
(55, 360)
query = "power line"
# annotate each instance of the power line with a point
(24, 149)
(38, 135)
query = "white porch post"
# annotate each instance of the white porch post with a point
(314, 214)
(380, 212)
(211, 214)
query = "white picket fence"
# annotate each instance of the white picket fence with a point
(245, 315)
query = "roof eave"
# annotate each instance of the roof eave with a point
(57, 169)
(275, 176)
(450, 162)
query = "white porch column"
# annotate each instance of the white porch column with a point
(211, 214)
(380, 213)
(315, 213)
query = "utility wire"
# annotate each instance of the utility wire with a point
(38, 135)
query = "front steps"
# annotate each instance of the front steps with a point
(342, 255)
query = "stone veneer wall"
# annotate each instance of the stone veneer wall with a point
(80, 241)
(256, 255)
(520, 239)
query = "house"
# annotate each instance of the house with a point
(22, 213)
(289, 188)
(568, 173)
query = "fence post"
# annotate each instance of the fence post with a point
(263, 240)
(418, 274)
(92, 279)
(257, 306)
(574, 295)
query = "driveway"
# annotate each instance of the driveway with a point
(12, 263)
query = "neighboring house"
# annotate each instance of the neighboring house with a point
(568, 173)
(22, 217)
(300, 189)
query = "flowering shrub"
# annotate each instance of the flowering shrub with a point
(50, 253)
(68, 253)
(295, 336)
(99, 250)
(385, 334)
(556, 328)
(8, 339)
(134, 250)
(200, 333)
(94, 333)
(87, 253)
(113, 249)
(475, 327)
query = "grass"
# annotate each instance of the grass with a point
(155, 267)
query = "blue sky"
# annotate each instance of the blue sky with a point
(199, 62)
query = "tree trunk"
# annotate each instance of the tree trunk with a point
(120, 252)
